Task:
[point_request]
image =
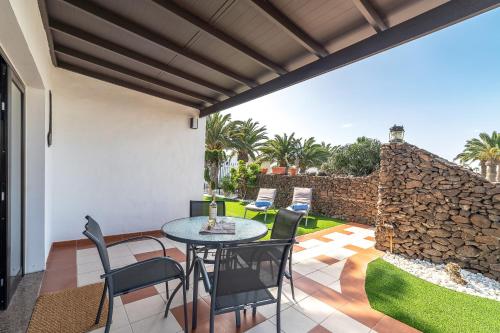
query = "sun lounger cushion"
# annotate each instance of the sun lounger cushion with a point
(261, 204)
(300, 206)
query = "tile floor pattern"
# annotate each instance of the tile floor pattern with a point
(329, 275)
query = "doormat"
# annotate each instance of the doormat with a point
(69, 311)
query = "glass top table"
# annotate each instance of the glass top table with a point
(187, 230)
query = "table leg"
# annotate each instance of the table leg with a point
(196, 275)
(188, 264)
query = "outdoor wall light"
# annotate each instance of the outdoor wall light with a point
(193, 122)
(396, 133)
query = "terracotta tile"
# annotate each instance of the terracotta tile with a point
(54, 281)
(298, 248)
(359, 225)
(389, 325)
(176, 254)
(61, 258)
(226, 323)
(323, 239)
(203, 315)
(353, 248)
(84, 244)
(352, 280)
(326, 259)
(370, 238)
(331, 297)
(131, 235)
(154, 233)
(362, 312)
(319, 329)
(139, 294)
(148, 255)
(113, 238)
(64, 244)
(345, 232)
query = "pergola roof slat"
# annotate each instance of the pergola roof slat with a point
(210, 29)
(131, 27)
(222, 53)
(103, 63)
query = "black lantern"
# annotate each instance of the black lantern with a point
(396, 134)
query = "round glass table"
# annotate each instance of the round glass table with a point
(187, 230)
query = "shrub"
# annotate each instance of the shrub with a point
(244, 176)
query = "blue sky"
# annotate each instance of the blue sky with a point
(444, 88)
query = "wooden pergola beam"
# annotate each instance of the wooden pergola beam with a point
(440, 17)
(371, 15)
(146, 34)
(127, 53)
(125, 84)
(214, 32)
(128, 72)
(290, 27)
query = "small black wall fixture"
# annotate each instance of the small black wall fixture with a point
(49, 133)
(193, 122)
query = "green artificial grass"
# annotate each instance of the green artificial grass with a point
(315, 223)
(426, 306)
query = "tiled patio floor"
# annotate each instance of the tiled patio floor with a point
(329, 276)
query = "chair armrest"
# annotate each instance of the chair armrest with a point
(204, 275)
(141, 263)
(133, 239)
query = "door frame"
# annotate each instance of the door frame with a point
(9, 286)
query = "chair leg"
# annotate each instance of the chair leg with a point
(172, 298)
(212, 320)
(278, 316)
(101, 303)
(265, 216)
(254, 311)
(238, 318)
(245, 215)
(110, 309)
(291, 275)
(166, 290)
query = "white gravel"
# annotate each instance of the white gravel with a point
(477, 284)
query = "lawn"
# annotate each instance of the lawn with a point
(315, 223)
(426, 306)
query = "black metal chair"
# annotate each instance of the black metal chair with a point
(199, 208)
(242, 276)
(285, 226)
(136, 276)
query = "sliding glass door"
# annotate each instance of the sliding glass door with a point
(11, 183)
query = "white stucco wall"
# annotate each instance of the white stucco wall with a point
(126, 158)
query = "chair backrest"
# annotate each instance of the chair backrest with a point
(266, 194)
(200, 208)
(247, 267)
(302, 195)
(93, 232)
(286, 224)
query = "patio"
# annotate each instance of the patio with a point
(329, 273)
(110, 101)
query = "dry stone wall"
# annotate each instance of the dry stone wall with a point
(439, 210)
(348, 198)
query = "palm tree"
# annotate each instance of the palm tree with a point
(248, 138)
(218, 138)
(486, 150)
(311, 154)
(281, 149)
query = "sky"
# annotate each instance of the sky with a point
(443, 88)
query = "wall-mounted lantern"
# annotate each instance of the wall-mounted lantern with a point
(396, 133)
(193, 123)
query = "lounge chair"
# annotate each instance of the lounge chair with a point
(301, 201)
(265, 195)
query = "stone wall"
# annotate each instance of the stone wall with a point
(439, 210)
(348, 198)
